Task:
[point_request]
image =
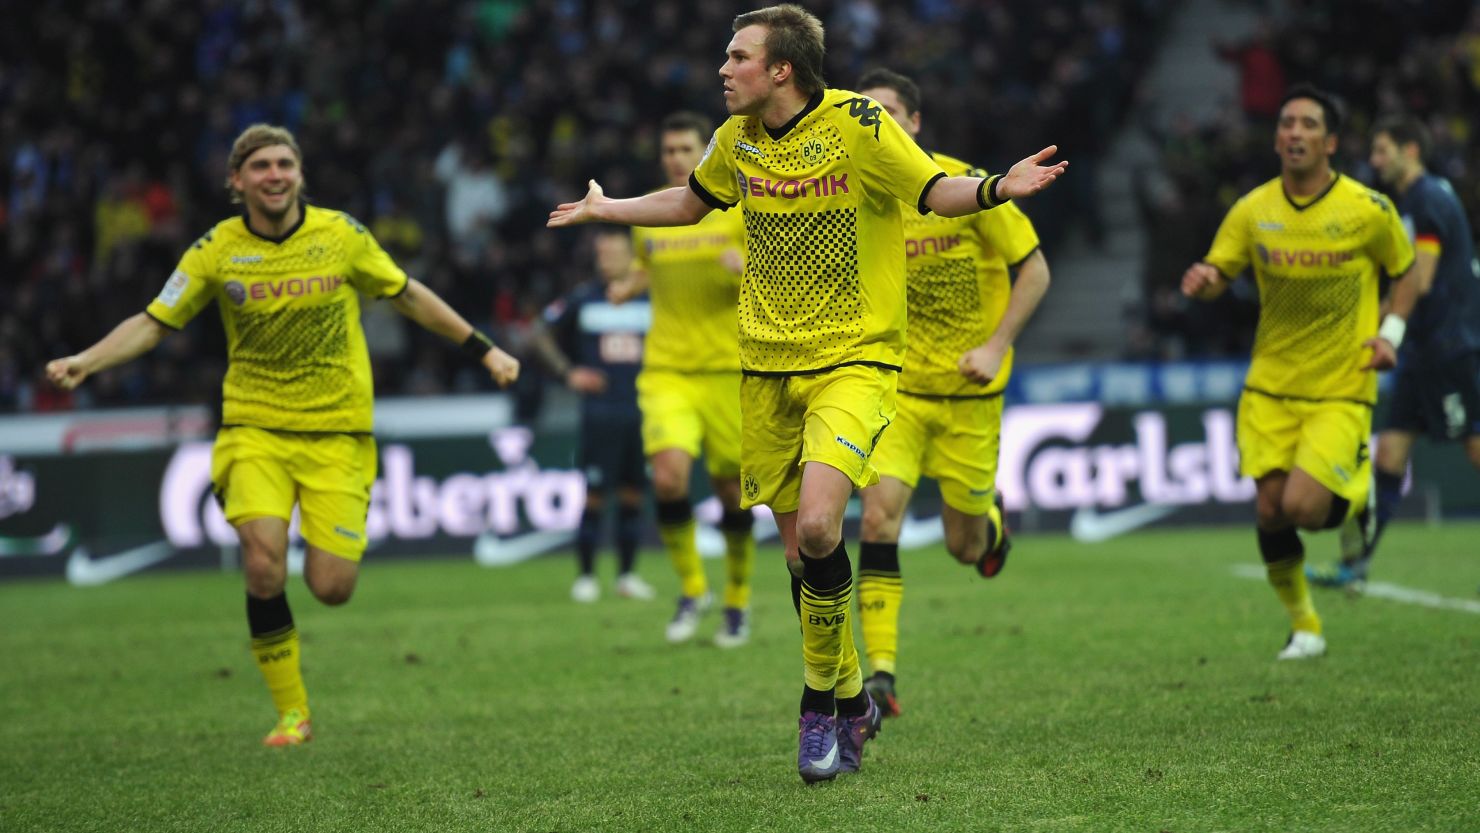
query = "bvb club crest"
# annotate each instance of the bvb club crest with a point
(236, 292)
(751, 486)
(813, 151)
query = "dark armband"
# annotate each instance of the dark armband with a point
(986, 192)
(477, 345)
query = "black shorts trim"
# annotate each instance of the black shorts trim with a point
(163, 323)
(298, 433)
(772, 374)
(944, 396)
(1249, 389)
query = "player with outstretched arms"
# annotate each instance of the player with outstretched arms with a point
(297, 396)
(821, 176)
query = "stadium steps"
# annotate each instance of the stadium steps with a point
(1096, 293)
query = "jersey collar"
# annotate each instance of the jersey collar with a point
(1317, 198)
(302, 215)
(780, 133)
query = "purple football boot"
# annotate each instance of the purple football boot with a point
(818, 747)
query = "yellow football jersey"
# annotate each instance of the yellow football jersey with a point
(1316, 265)
(296, 357)
(958, 287)
(821, 195)
(694, 295)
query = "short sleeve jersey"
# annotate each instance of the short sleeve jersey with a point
(958, 287)
(694, 296)
(821, 195)
(605, 336)
(296, 356)
(1446, 322)
(1317, 265)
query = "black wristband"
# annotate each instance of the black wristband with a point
(986, 192)
(477, 345)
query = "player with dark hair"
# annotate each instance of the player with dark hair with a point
(972, 283)
(822, 176)
(1317, 242)
(595, 347)
(297, 397)
(689, 388)
(1437, 389)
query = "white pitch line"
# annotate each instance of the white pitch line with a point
(1384, 590)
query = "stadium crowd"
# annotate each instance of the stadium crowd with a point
(1381, 58)
(449, 127)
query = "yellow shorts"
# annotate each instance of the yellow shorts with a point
(692, 412)
(834, 417)
(955, 441)
(1325, 439)
(257, 474)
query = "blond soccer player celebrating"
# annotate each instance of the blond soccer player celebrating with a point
(297, 398)
(821, 176)
(972, 282)
(1317, 242)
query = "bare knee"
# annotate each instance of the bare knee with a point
(669, 484)
(264, 563)
(966, 549)
(818, 534)
(1305, 510)
(330, 578)
(879, 522)
(333, 593)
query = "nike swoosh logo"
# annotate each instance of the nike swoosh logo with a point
(85, 571)
(827, 762)
(1091, 526)
(489, 550)
(51, 543)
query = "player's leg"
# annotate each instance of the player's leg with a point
(880, 582)
(594, 460)
(670, 438)
(1389, 464)
(1268, 436)
(737, 525)
(630, 477)
(256, 493)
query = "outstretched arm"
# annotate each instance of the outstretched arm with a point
(133, 337)
(958, 196)
(983, 363)
(425, 307)
(677, 206)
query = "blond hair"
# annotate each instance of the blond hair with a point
(793, 35)
(253, 139)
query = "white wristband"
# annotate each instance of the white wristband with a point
(1392, 330)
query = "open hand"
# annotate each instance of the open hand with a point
(1030, 176)
(575, 213)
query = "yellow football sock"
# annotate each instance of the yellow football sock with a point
(277, 656)
(678, 539)
(879, 597)
(739, 563)
(850, 675)
(825, 627)
(1288, 580)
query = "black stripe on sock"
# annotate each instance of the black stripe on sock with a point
(853, 706)
(740, 520)
(878, 558)
(1339, 507)
(673, 512)
(818, 701)
(828, 573)
(268, 617)
(1283, 545)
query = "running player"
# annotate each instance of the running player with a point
(972, 283)
(689, 389)
(1316, 241)
(822, 176)
(1437, 390)
(595, 347)
(297, 397)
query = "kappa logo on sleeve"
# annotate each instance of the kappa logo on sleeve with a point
(174, 288)
(865, 111)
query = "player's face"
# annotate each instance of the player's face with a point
(747, 79)
(890, 101)
(269, 180)
(1301, 139)
(681, 150)
(1386, 159)
(613, 256)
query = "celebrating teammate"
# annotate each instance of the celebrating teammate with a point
(822, 176)
(1437, 389)
(964, 314)
(689, 389)
(596, 348)
(297, 409)
(1316, 241)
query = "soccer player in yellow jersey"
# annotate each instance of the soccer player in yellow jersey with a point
(297, 398)
(822, 176)
(1316, 241)
(689, 389)
(965, 311)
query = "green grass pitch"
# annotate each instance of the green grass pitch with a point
(1129, 685)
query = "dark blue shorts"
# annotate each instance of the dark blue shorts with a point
(611, 448)
(1438, 398)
